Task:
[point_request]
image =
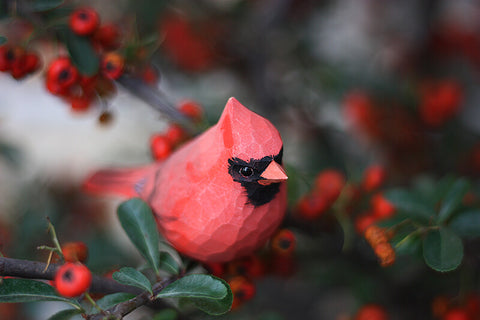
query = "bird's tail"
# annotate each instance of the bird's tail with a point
(123, 182)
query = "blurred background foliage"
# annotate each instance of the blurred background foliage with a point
(348, 83)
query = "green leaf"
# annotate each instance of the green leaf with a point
(467, 223)
(131, 277)
(168, 264)
(113, 299)
(167, 314)
(452, 199)
(442, 250)
(81, 51)
(25, 290)
(410, 204)
(137, 220)
(2, 40)
(65, 314)
(45, 5)
(208, 293)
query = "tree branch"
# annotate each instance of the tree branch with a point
(38, 270)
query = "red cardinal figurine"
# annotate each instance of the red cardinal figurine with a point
(218, 197)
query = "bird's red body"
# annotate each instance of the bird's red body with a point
(218, 197)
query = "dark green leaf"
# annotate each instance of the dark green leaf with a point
(82, 53)
(24, 290)
(410, 204)
(65, 314)
(2, 40)
(168, 263)
(442, 250)
(452, 199)
(44, 5)
(467, 223)
(206, 292)
(137, 220)
(167, 314)
(131, 277)
(113, 299)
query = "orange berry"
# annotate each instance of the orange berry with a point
(385, 253)
(375, 235)
(112, 65)
(75, 252)
(72, 279)
(160, 147)
(371, 312)
(373, 177)
(381, 207)
(283, 242)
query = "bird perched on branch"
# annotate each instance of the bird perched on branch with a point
(218, 197)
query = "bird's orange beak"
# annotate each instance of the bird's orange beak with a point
(274, 173)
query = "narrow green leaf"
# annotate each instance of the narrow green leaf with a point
(113, 299)
(452, 199)
(208, 293)
(65, 314)
(81, 51)
(442, 250)
(25, 290)
(168, 263)
(467, 223)
(137, 220)
(410, 204)
(166, 314)
(131, 277)
(44, 5)
(2, 40)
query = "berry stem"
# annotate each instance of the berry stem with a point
(58, 248)
(94, 304)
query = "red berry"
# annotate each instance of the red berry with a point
(84, 21)
(363, 221)
(80, 103)
(329, 184)
(312, 206)
(215, 268)
(108, 36)
(371, 312)
(112, 65)
(382, 208)
(160, 147)
(373, 177)
(149, 75)
(242, 289)
(72, 279)
(440, 101)
(175, 134)
(75, 252)
(61, 75)
(283, 242)
(457, 314)
(191, 109)
(6, 58)
(32, 63)
(440, 306)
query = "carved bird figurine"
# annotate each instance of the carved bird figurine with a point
(218, 197)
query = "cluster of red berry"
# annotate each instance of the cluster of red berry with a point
(241, 273)
(73, 278)
(162, 144)
(18, 61)
(467, 308)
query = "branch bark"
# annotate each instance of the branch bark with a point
(38, 270)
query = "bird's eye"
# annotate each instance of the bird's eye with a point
(246, 171)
